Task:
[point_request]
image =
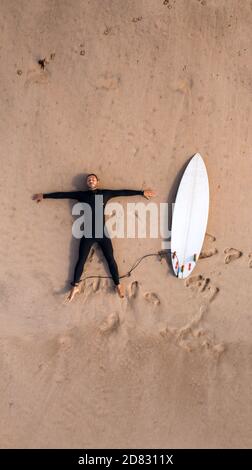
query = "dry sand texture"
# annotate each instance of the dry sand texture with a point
(128, 89)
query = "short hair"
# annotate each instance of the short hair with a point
(93, 174)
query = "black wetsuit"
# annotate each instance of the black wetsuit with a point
(104, 242)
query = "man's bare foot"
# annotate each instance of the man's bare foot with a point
(120, 290)
(75, 290)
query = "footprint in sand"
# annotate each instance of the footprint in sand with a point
(107, 30)
(207, 253)
(192, 336)
(202, 285)
(210, 238)
(218, 349)
(136, 19)
(231, 254)
(185, 86)
(197, 283)
(198, 332)
(193, 324)
(250, 260)
(211, 292)
(111, 323)
(107, 285)
(207, 250)
(96, 284)
(99, 284)
(193, 280)
(132, 290)
(152, 298)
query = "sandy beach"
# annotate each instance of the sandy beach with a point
(129, 90)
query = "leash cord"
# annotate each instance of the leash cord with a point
(161, 254)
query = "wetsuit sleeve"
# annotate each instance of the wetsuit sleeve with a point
(65, 195)
(123, 192)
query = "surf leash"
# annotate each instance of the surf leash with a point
(162, 254)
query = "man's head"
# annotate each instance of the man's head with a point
(92, 181)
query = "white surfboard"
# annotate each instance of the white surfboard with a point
(189, 220)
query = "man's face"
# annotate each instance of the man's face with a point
(92, 181)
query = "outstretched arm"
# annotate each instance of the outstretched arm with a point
(62, 195)
(58, 195)
(123, 192)
(148, 193)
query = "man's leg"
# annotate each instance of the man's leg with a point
(107, 248)
(84, 249)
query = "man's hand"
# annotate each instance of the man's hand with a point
(37, 197)
(148, 193)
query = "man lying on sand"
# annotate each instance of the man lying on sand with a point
(104, 242)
